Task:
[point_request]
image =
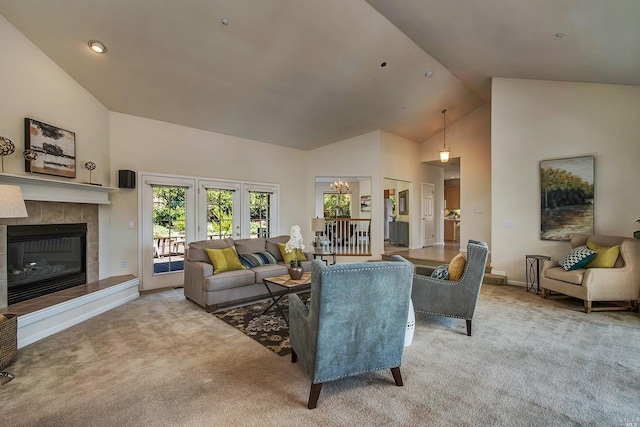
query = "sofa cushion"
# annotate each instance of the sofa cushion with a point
(224, 260)
(294, 255)
(272, 246)
(257, 259)
(559, 273)
(196, 251)
(229, 280)
(577, 258)
(250, 246)
(456, 267)
(441, 272)
(269, 270)
(606, 256)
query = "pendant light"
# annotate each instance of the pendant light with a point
(444, 153)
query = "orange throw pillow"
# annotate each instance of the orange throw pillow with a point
(456, 267)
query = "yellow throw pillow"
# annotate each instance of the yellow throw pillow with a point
(224, 260)
(2, 318)
(291, 256)
(605, 256)
(456, 267)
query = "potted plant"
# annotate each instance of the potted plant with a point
(294, 245)
(636, 234)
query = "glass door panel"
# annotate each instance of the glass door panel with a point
(169, 226)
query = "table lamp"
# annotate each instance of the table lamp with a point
(317, 226)
(11, 202)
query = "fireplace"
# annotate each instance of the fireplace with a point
(45, 258)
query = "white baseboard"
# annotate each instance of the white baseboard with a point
(40, 324)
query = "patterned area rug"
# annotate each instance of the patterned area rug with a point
(268, 329)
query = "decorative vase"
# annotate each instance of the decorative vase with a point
(295, 273)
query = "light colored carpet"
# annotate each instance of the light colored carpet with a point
(162, 361)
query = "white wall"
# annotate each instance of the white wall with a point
(399, 161)
(353, 157)
(538, 120)
(152, 146)
(32, 85)
(470, 139)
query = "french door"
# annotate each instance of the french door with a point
(168, 220)
(175, 211)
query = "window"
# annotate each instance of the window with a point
(220, 204)
(337, 205)
(260, 213)
(169, 223)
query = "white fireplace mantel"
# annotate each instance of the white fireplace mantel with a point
(50, 190)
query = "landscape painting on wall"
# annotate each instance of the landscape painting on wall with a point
(55, 148)
(566, 190)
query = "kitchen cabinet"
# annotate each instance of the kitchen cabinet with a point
(451, 230)
(452, 197)
(399, 233)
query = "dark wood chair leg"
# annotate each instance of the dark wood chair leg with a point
(314, 394)
(468, 327)
(397, 376)
(294, 356)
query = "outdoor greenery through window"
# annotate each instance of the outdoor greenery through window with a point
(169, 222)
(219, 213)
(260, 213)
(336, 205)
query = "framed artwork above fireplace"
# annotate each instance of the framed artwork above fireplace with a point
(56, 149)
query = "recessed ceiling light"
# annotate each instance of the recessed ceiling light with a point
(97, 46)
(225, 21)
(429, 73)
(559, 35)
(384, 64)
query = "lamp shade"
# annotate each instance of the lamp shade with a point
(317, 224)
(11, 202)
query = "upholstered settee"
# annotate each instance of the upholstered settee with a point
(621, 282)
(212, 291)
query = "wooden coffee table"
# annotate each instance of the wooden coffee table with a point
(289, 285)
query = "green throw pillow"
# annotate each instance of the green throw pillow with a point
(224, 260)
(606, 256)
(291, 256)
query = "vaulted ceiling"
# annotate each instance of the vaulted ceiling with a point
(306, 73)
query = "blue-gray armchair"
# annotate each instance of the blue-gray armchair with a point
(355, 323)
(452, 298)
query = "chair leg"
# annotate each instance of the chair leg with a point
(543, 293)
(587, 307)
(314, 394)
(397, 376)
(294, 356)
(468, 327)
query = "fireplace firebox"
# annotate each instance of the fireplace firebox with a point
(42, 259)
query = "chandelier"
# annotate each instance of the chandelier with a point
(444, 153)
(340, 186)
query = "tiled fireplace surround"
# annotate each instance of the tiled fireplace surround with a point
(54, 213)
(57, 202)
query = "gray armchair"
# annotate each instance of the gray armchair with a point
(355, 323)
(452, 299)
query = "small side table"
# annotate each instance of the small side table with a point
(532, 272)
(324, 254)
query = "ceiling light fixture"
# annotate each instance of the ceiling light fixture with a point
(340, 186)
(559, 35)
(97, 46)
(428, 74)
(444, 153)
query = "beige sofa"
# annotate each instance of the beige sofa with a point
(231, 287)
(620, 283)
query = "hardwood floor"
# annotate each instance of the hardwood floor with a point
(436, 254)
